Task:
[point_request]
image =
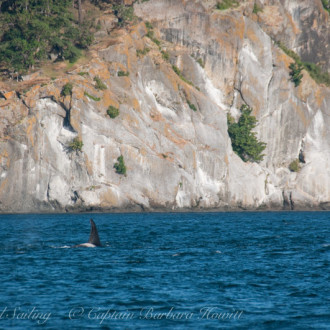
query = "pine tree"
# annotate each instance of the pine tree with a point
(244, 141)
(295, 73)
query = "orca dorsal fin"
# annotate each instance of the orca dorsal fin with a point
(94, 235)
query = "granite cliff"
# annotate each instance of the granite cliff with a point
(172, 126)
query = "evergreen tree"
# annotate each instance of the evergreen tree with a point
(120, 165)
(244, 141)
(295, 73)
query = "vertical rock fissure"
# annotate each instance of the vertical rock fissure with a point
(241, 95)
(66, 119)
(291, 201)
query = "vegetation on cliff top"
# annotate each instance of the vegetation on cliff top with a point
(32, 31)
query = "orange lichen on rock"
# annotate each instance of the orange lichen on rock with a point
(30, 129)
(272, 17)
(4, 158)
(280, 56)
(300, 112)
(173, 136)
(89, 165)
(136, 104)
(9, 95)
(109, 199)
(130, 121)
(295, 28)
(108, 99)
(156, 116)
(79, 92)
(319, 96)
(4, 185)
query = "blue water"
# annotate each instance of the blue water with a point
(166, 271)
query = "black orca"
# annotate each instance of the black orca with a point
(94, 239)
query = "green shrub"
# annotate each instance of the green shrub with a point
(179, 73)
(150, 34)
(83, 73)
(317, 74)
(256, 9)
(125, 14)
(294, 166)
(113, 112)
(295, 73)
(226, 4)
(192, 106)
(142, 52)
(98, 26)
(243, 140)
(200, 62)
(76, 145)
(94, 98)
(120, 165)
(99, 84)
(123, 73)
(165, 55)
(67, 89)
(148, 25)
(326, 5)
(71, 53)
(313, 69)
(156, 41)
(176, 70)
(289, 52)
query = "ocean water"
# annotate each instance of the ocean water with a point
(166, 271)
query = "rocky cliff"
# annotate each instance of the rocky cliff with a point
(172, 126)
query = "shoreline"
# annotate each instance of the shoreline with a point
(139, 210)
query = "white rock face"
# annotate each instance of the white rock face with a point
(176, 158)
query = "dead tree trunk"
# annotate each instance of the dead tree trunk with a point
(80, 14)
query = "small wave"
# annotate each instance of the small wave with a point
(61, 247)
